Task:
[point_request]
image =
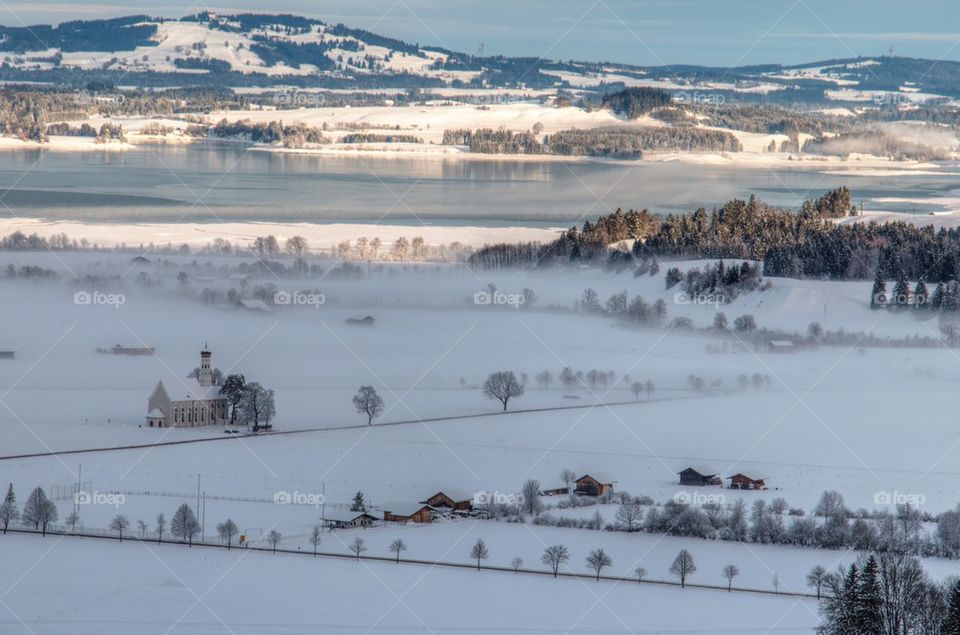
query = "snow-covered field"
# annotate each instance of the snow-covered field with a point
(168, 589)
(865, 421)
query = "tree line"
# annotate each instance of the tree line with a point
(797, 244)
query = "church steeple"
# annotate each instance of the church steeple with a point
(206, 372)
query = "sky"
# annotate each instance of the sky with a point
(645, 32)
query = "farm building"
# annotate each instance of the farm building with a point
(697, 477)
(348, 520)
(451, 498)
(742, 481)
(7, 352)
(255, 305)
(556, 491)
(595, 484)
(365, 321)
(780, 346)
(407, 512)
(117, 349)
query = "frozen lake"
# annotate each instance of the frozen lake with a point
(209, 182)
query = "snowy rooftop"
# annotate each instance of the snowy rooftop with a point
(345, 517)
(401, 508)
(190, 390)
(455, 494)
(600, 477)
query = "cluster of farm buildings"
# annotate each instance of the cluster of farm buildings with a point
(461, 502)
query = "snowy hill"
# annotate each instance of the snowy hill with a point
(271, 50)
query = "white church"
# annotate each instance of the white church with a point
(188, 402)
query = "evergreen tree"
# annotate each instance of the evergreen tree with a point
(358, 505)
(901, 290)
(920, 295)
(8, 509)
(878, 296)
(936, 300)
(869, 601)
(951, 625)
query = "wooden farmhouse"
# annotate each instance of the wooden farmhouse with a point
(742, 481)
(457, 499)
(407, 512)
(699, 477)
(594, 484)
(348, 520)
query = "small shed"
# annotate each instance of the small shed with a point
(256, 305)
(594, 484)
(781, 346)
(348, 520)
(742, 481)
(452, 499)
(407, 512)
(365, 321)
(7, 352)
(556, 491)
(699, 477)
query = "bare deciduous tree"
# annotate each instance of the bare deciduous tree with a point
(227, 530)
(817, 578)
(398, 547)
(530, 491)
(316, 538)
(730, 572)
(358, 546)
(119, 524)
(554, 556)
(274, 537)
(479, 551)
(502, 386)
(683, 566)
(184, 524)
(597, 560)
(368, 402)
(161, 526)
(629, 515)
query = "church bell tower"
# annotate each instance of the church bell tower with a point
(206, 372)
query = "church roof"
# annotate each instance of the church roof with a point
(190, 390)
(156, 413)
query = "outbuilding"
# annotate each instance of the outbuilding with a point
(593, 484)
(452, 499)
(699, 477)
(348, 520)
(742, 481)
(407, 512)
